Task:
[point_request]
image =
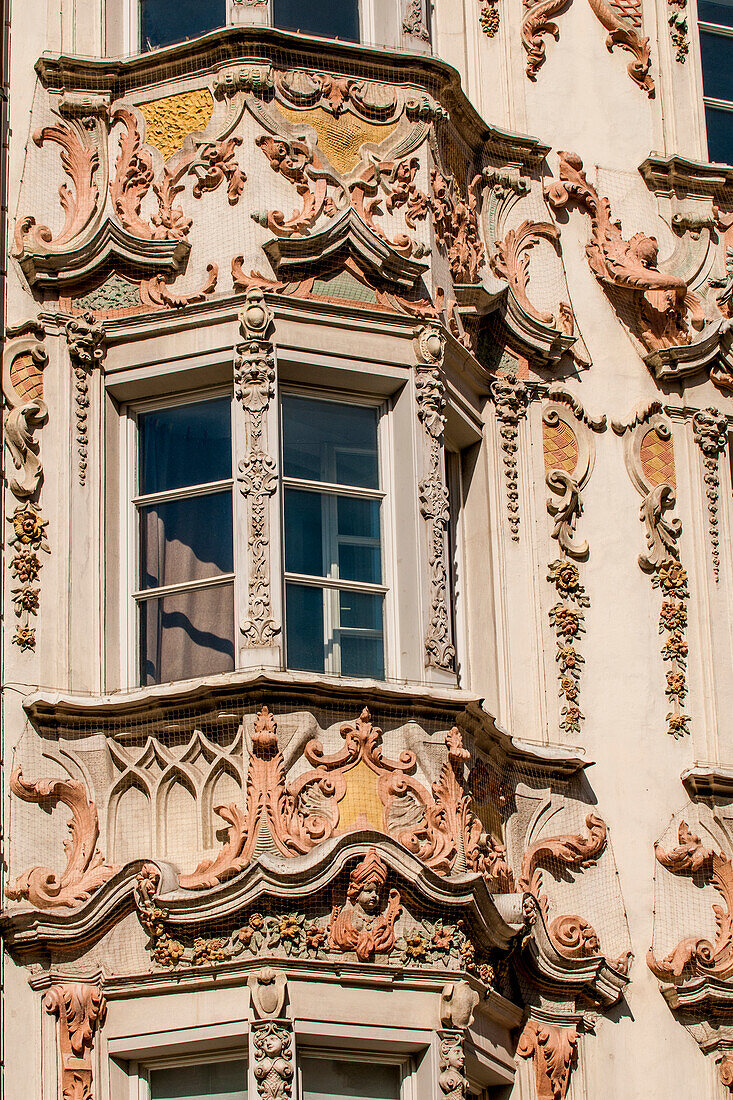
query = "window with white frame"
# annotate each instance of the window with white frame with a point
(163, 23)
(183, 539)
(333, 500)
(319, 17)
(221, 1080)
(715, 21)
(329, 1075)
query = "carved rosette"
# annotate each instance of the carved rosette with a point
(649, 453)
(569, 453)
(511, 398)
(553, 1050)
(24, 360)
(710, 431)
(87, 345)
(434, 505)
(665, 309)
(85, 869)
(81, 1009)
(254, 386)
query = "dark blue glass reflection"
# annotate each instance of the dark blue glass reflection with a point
(720, 135)
(304, 627)
(184, 445)
(163, 23)
(330, 441)
(715, 11)
(717, 64)
(318, 17)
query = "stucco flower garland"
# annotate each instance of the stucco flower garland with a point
(671, 578)
(27, 539)
(568, 620)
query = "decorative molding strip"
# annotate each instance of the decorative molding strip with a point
(24, 360)
(710, 432)
(649, 454)
(85, 869)
(553, 1049)
(81, 1009)
(86, 342)
(511, 399)
(434, 505)
(254, 386)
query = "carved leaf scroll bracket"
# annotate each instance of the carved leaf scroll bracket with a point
(553, 1050)
(666, 309)
(85, 869)
(81, 1009)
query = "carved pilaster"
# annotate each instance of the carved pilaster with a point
(24, 360)
(452, 1080)
(272, 1042)
(650, 462)
(430, 393)
(553, 1049)
(511, 398)
(710, 429)
(254, 386)
(81, 1009)
(86, 343)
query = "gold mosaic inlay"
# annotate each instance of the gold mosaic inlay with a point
(560, 447)
(340, 138)
(168, 121)
(657, 459)
(361, 806)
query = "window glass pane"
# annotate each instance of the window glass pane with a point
(330, 441)
(163, 23)
(186, 540)
(359, 554)
(361, 611)
(331, 1078)
(187, 634)
(720, 135)
(304, 627)
(321, 17)
(184, 445)
(218, 1081)
(361, 637)
(717, 64)
(304, 532)
(715, 11)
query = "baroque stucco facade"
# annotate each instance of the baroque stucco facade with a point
(508, 863)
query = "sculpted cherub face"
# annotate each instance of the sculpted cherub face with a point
(368, 897)
(272, 1045)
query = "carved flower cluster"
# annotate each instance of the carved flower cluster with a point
(568, 620)
(28, 537)
(671, 578)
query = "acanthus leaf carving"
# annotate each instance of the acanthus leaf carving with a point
(80, 161)
(217, 163)
(157, 293)
(455, 221)
(623, 32)
(134, 176)
(365, 924)
(572, 850)
(710, 432)
(695, 956)
(24, 360)
(536, 23)
(85, 869)
(81, 1009)
(511, 261)
(665, 305)
(298, 164)
(553, 1049)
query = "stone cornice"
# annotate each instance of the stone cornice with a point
(708, 781)
(51, 711)
(231, 45)
(667, 173)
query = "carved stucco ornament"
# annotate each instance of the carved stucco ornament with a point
(621, 18)
(81, 1010)
(365, 924)
(24, 360)
(85, 869)
(434, 506)
(666, 311)
(553, 1050)
(268, 989)
(272, 1043)
(452, 1061)
(86, 342)
(649, 454)
(254, 386)
(511, 399)
(710, 432)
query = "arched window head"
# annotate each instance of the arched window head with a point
(318, 17)
(163, 23)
